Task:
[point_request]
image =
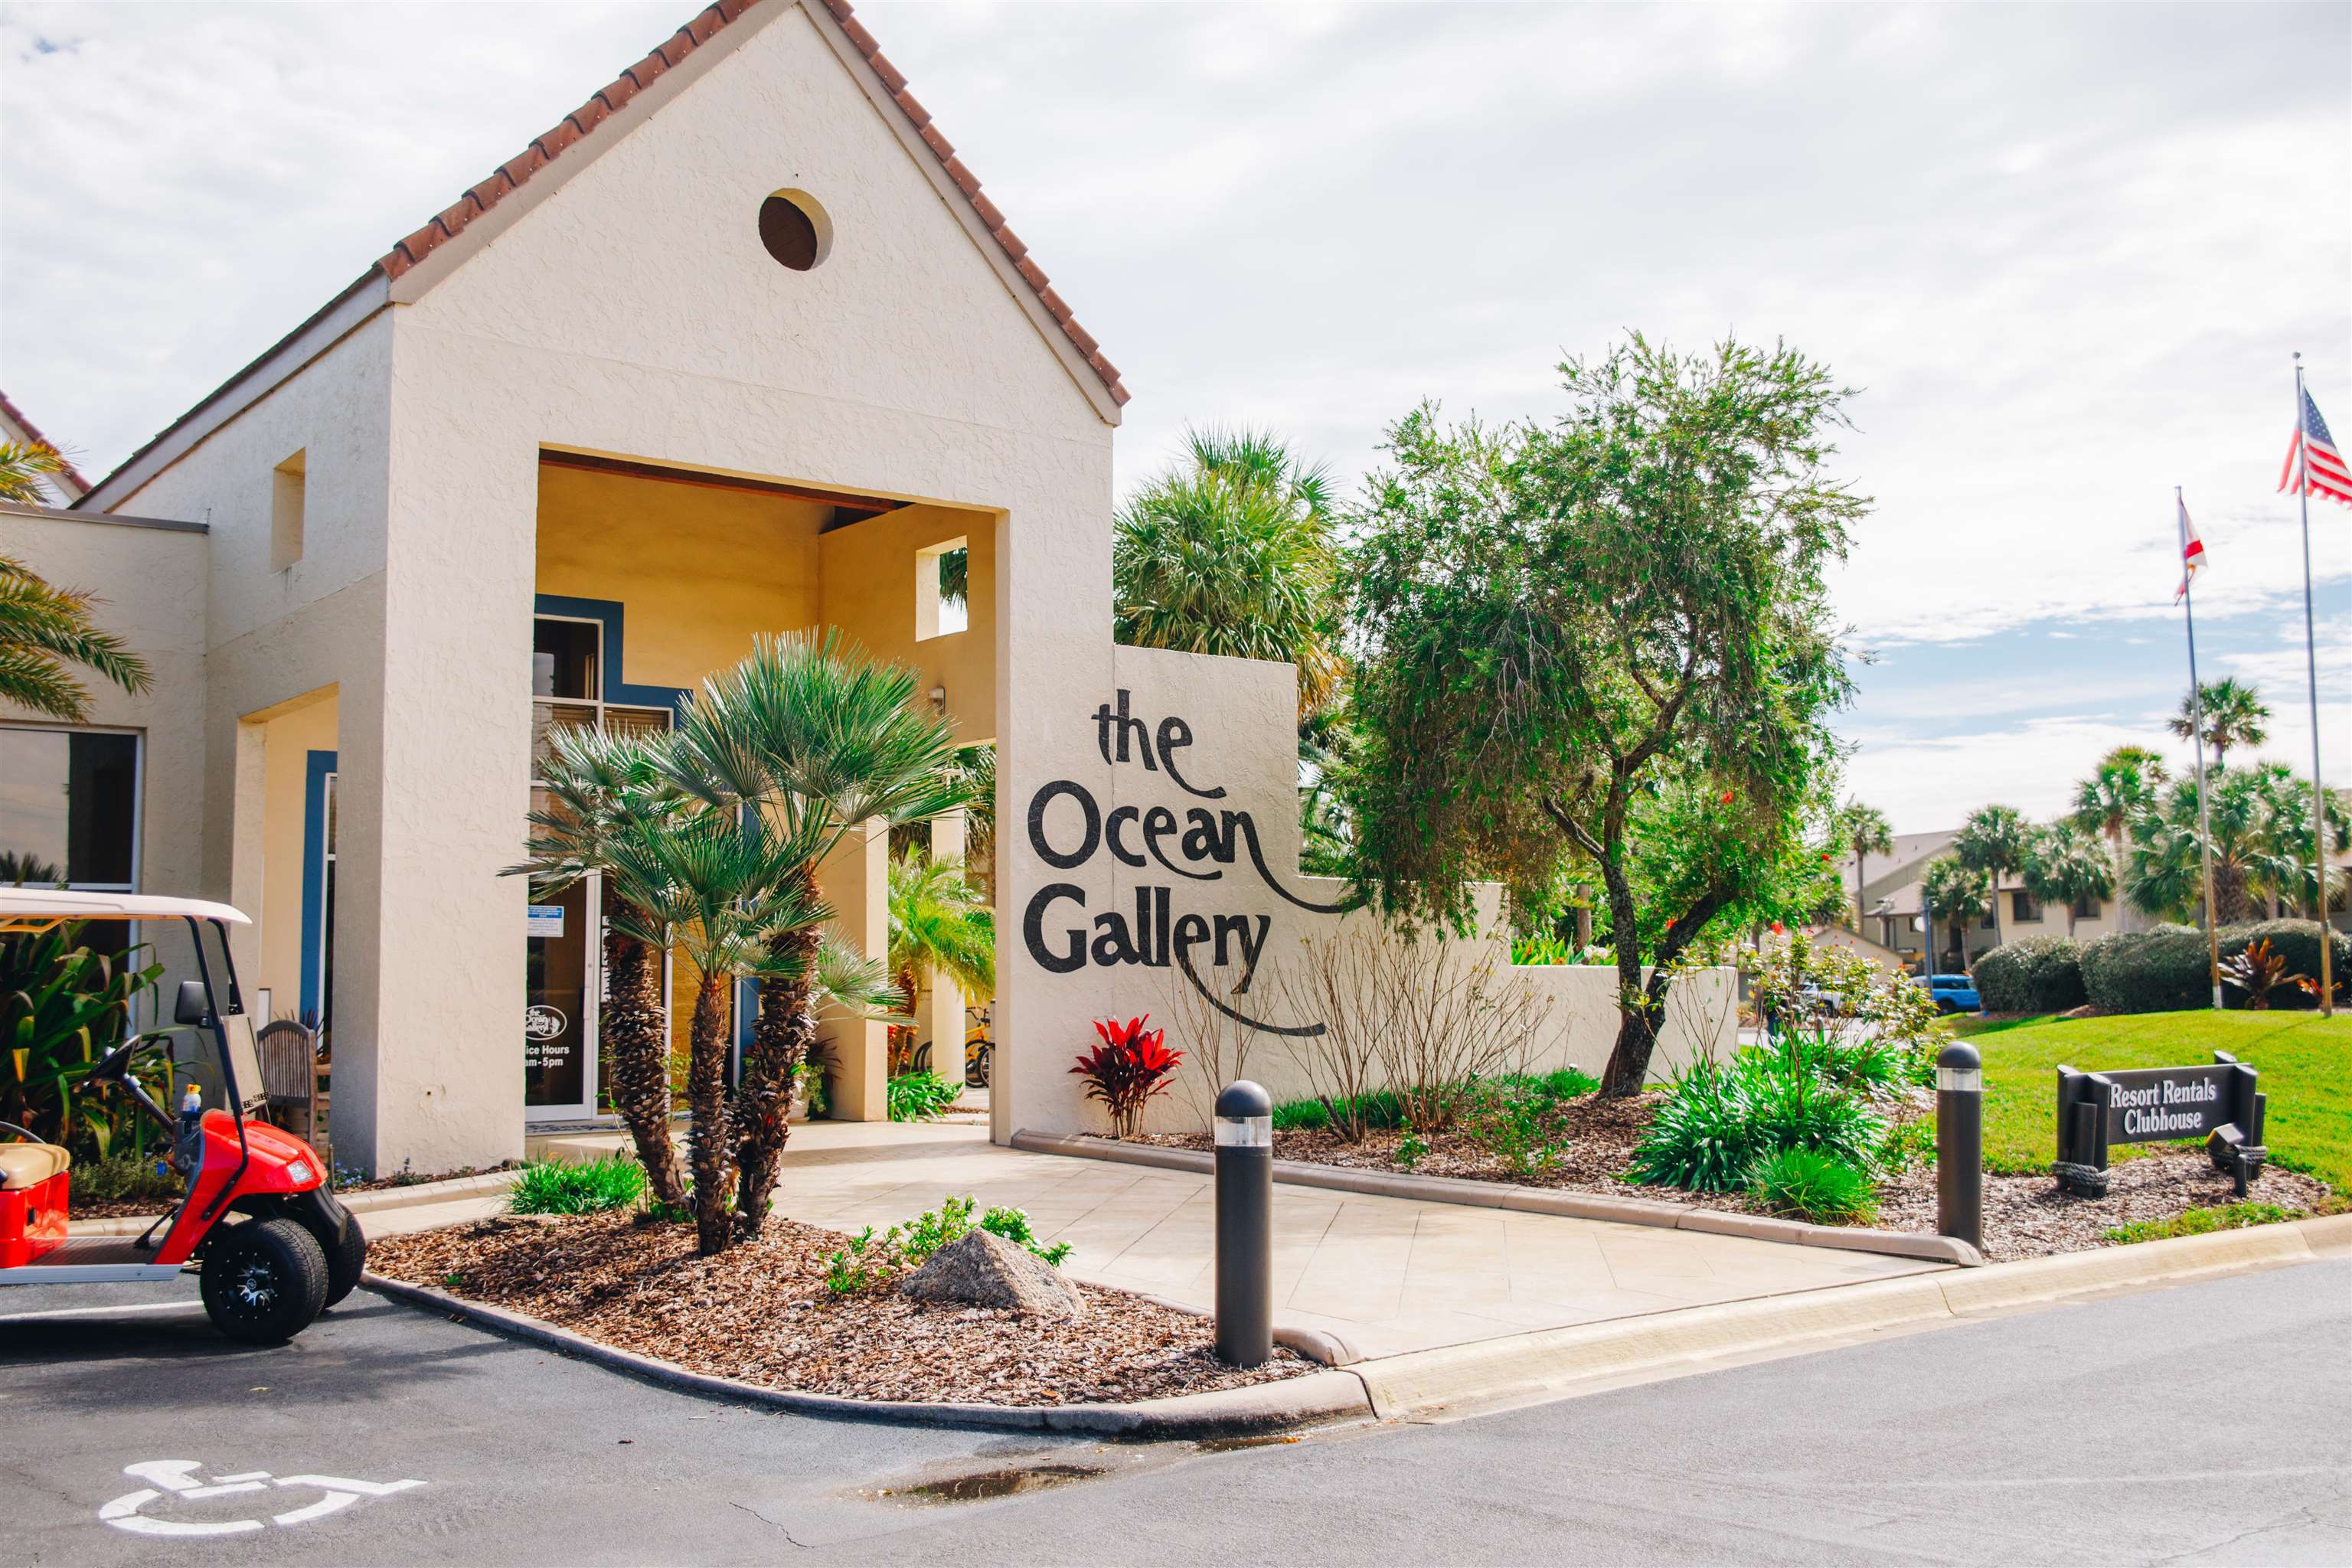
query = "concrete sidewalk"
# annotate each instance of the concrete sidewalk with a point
(1386, 1275)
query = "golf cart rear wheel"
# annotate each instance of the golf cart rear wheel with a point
(346, 1261)
(264, 1280)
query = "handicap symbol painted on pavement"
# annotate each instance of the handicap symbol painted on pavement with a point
(177, 1477)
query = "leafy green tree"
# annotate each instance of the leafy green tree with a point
(814, 739)
(1604, 642)
(940, 923)
(2235, 715)
(2065, 863)
(43, 628)
(1864, 830)
(1992, 840)
(1232, 553)
(2123, 788)
(1958, 892)
(2262, 844)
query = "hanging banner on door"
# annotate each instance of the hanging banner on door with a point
(543, 919)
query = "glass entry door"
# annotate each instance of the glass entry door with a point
(558, 1001)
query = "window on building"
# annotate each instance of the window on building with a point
(2024, 909)
(567, 687)
(70, 813)
(1988, 924)
(285, 504)
(942, 589)
(2087, 909)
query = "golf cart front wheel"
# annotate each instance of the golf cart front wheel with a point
(264, 1280)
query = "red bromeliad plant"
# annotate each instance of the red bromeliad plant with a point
(1127, 1069)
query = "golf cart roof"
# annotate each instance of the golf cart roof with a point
(32, 909)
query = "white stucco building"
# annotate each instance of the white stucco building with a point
(741, 346)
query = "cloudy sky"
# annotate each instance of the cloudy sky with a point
(2063, 252)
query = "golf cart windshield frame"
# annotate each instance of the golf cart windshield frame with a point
(213, 1014)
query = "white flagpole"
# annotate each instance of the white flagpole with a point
(2311, 670)
(2197, 733)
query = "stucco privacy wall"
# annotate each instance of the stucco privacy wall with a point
(1136, 851)
(151, 588)
(868, 578)
(632, 312)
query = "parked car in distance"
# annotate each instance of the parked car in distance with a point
(1953, 992)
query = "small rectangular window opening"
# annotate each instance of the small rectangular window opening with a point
(286, 512)
(942, 589)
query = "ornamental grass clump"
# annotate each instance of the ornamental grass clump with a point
(1822, 1187)
(590, 1186)
(1720, 1120)
(1127, 1069)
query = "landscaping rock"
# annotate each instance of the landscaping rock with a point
(989, 1271)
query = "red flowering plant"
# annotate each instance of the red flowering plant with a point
(1126, 1070)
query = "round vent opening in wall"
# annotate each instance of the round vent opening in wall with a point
(794, 229)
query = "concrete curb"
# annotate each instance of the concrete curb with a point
(369, 1202)
(1527, 1200)
(1553, 1361)
(1312, 1399)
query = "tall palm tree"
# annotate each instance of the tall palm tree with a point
(2235, 715)
(1232, 553)
(816, 739)
(2065, 862)
(940, 923)
(2123, 788)
(42, 630)
(1992, 840)
(1866, 832)
(2260, 843)
(1958, 892)
(600, 789)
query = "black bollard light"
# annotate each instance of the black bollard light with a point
(1960, 1145)
(1244, 1224)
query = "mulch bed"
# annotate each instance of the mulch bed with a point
(2025, 1216)
(760, 1312)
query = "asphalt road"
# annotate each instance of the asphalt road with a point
(2211, 1423)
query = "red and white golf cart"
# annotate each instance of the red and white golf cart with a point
(272, 1246)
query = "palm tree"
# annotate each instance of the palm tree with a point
(2262, 844)
(1960, 894)
(1992, 840)
(44, 628)
(2065, 862)
(940, 923)
(1232, 553)
(1865, 830)
(2121, 789)
(2235, 715)
(815, 739)
(25, 466)
(600, 788)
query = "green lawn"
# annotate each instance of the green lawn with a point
(2304, 1060)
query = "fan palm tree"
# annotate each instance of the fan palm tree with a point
(2065, 862)
(1960, 893)
(42, 630)
(1865, 831)
(2260, 843)
(2123, 788)
(940, 923)
(599, 789)
(1232, 553)
(2235, 715)
(815, 740)
(1992, 840)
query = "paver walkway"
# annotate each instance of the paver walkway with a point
(1388, 1275)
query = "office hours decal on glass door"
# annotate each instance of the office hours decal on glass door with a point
(1069, 828)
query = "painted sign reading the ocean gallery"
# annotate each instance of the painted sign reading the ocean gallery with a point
(1068, 828)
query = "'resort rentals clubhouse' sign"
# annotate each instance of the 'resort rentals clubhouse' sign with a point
(1188, 854)
(2219, 1103)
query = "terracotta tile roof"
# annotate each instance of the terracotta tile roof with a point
(16, 418)
(582, 123)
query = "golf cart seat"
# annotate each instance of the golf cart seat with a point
(27, 1165)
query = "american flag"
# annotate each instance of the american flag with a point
(2328, 477)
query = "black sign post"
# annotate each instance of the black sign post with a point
(2149, 1105)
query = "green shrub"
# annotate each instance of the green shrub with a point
(123, 1177)
(63, 1007)
(2039, 974)
(2160, 971)
(869, 1261)
(1301, 1116)
(1823, 1188)
(1518, 1121)
(590, 1186)
(1906, 1144)
(1412, 1148)
(2202, 1222)
(1719, 1121)
(2297, 942)
(922, 1097)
